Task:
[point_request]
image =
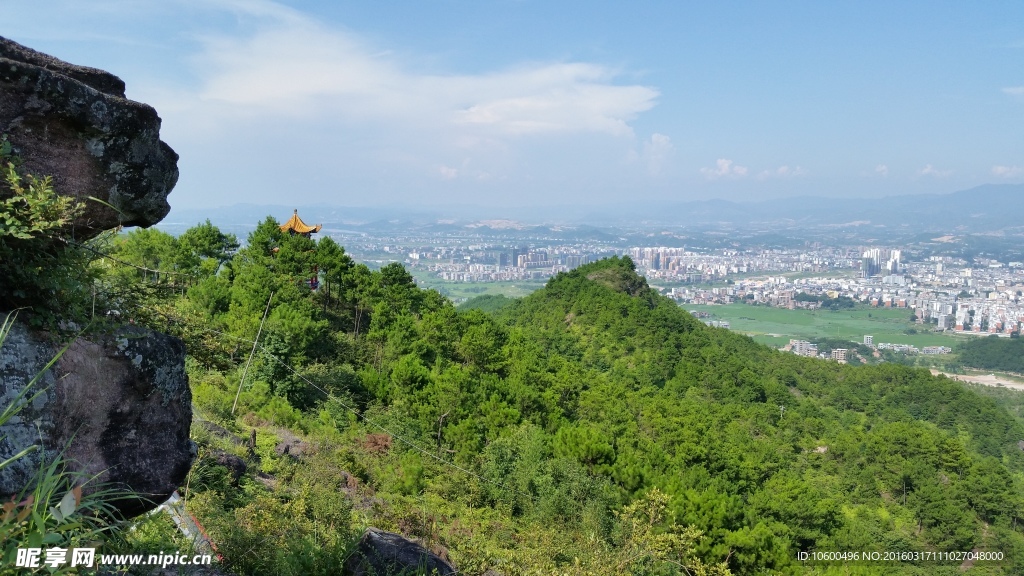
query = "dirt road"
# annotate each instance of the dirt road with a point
(986, 379)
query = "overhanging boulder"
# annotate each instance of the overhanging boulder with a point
(75, 124)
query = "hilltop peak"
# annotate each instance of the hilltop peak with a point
(618, 274)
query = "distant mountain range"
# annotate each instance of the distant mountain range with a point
(987, 208)
(983, 208)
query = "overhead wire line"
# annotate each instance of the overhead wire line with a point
(129, 264)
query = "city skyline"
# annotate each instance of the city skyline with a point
(511, 103)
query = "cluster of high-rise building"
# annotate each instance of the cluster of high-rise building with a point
(949, 295)
(875, 261)
(686, 266)
(513, 264)
(983, 297)
(663, 264)
(785, 292)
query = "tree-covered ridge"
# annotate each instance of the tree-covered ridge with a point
(489, 303)
(749, 441)
(535, 432)
(993, 353)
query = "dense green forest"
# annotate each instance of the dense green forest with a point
(593, 427)
(993, 353)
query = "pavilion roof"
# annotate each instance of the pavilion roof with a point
(295, 224)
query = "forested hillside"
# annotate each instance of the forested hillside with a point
(993, 353)
(593, 427)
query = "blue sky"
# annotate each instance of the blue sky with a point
(521, 102)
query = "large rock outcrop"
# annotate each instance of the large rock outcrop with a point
(380, 553)
(75, 124)
(117, 404)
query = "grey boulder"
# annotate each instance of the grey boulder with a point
(116, 406)
(74, 123)
(381, 553)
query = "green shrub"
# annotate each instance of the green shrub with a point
(272, 536)
(279, 412)
(42, 269)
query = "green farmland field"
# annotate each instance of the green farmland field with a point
(461, 291)
(776, 326)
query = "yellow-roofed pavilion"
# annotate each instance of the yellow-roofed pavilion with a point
(295, 225)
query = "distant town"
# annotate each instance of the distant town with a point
(982, 296)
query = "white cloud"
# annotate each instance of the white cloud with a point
(930, 170)
(882, 170)
(280, 85)
(261, 97)
(466, 169)
(550, 98)
(1007, 171)
(657, 151)
(782, 172)
(284, 68)
(724, 168)
(298, 67)
(1014, 90)
(258, 8)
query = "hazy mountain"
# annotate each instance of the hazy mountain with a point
(984, 208)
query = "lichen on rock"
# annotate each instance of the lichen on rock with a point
(122, 422)
(74, 123)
